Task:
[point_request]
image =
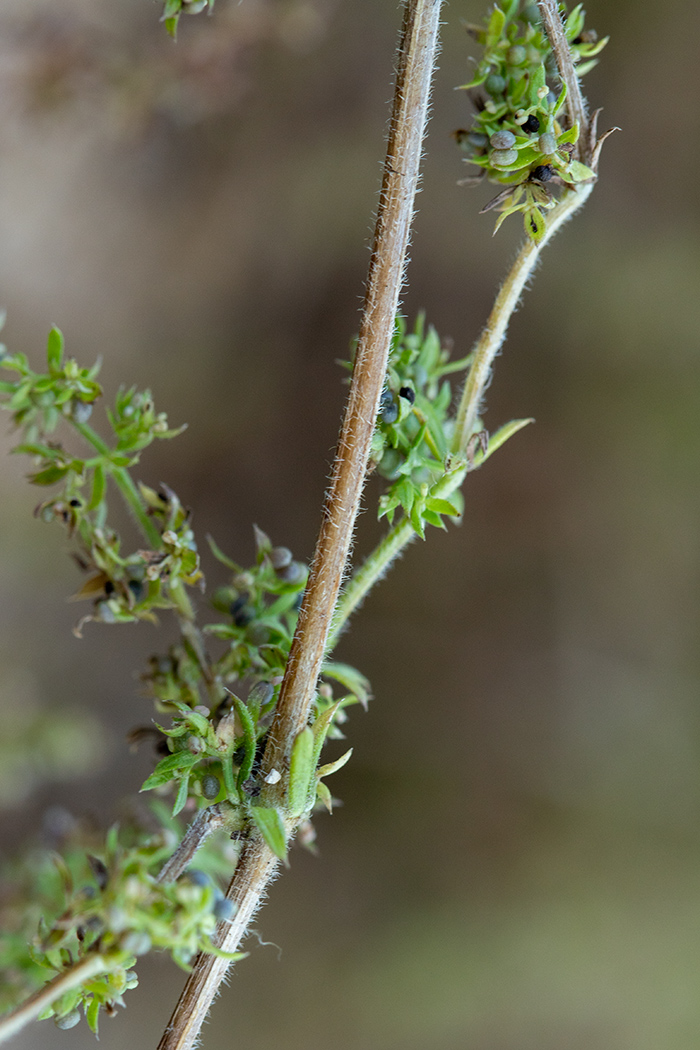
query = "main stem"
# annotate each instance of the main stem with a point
(257, 864)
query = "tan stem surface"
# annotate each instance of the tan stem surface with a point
(257, 864)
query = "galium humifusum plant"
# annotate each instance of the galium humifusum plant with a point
(238, 736)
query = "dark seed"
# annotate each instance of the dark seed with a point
(543, 172)
(531, 124)
(99, 870)
(241, 612)
(408, 393)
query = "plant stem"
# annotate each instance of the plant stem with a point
(494, 332)
(575, 102)
(90, 966)
(257, 864)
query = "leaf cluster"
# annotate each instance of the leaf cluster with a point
(416, 422)
(516, 137)
(105, 902)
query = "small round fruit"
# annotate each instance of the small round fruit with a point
(495, 84)
(503, 140)
(547, 143)
(501, 158)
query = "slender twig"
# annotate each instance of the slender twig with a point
(494, 332)
(206, 821)
(575, 102)
(257, 864)
(89, 966)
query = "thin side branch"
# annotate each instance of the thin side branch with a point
(256, 866)
(88, 967)
(575, 102)
(494, 332)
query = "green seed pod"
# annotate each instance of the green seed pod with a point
(516, 55)
(477, 140)
(495, 84)
(501, 158)
(261, 694)
(68, 1020)
(280, 557)
(210, 786)
(296, 572)
(503, 140)
(547, 143)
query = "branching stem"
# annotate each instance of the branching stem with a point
(257, 864)
(575, 102)
(507, 300)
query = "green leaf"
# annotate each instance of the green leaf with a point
(323, 793)
(229, 785)
(99, 486)
(168, 768)
(181, 797)
(54, 349)
(333, 767)
(538, 81)
(560, 100)
(502, 435)
(351, 678)
(49, 476)
(535, 226)
(301, 771)
(442, 506)
(249, 740)
(580, 172)
(271, 826)
(495, 27)
(92, 1013)
(220, 556)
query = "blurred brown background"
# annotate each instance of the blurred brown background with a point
(517, 861)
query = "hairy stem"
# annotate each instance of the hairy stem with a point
(257, 864)
(494, 332)
(88, 967)
(575, 102)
